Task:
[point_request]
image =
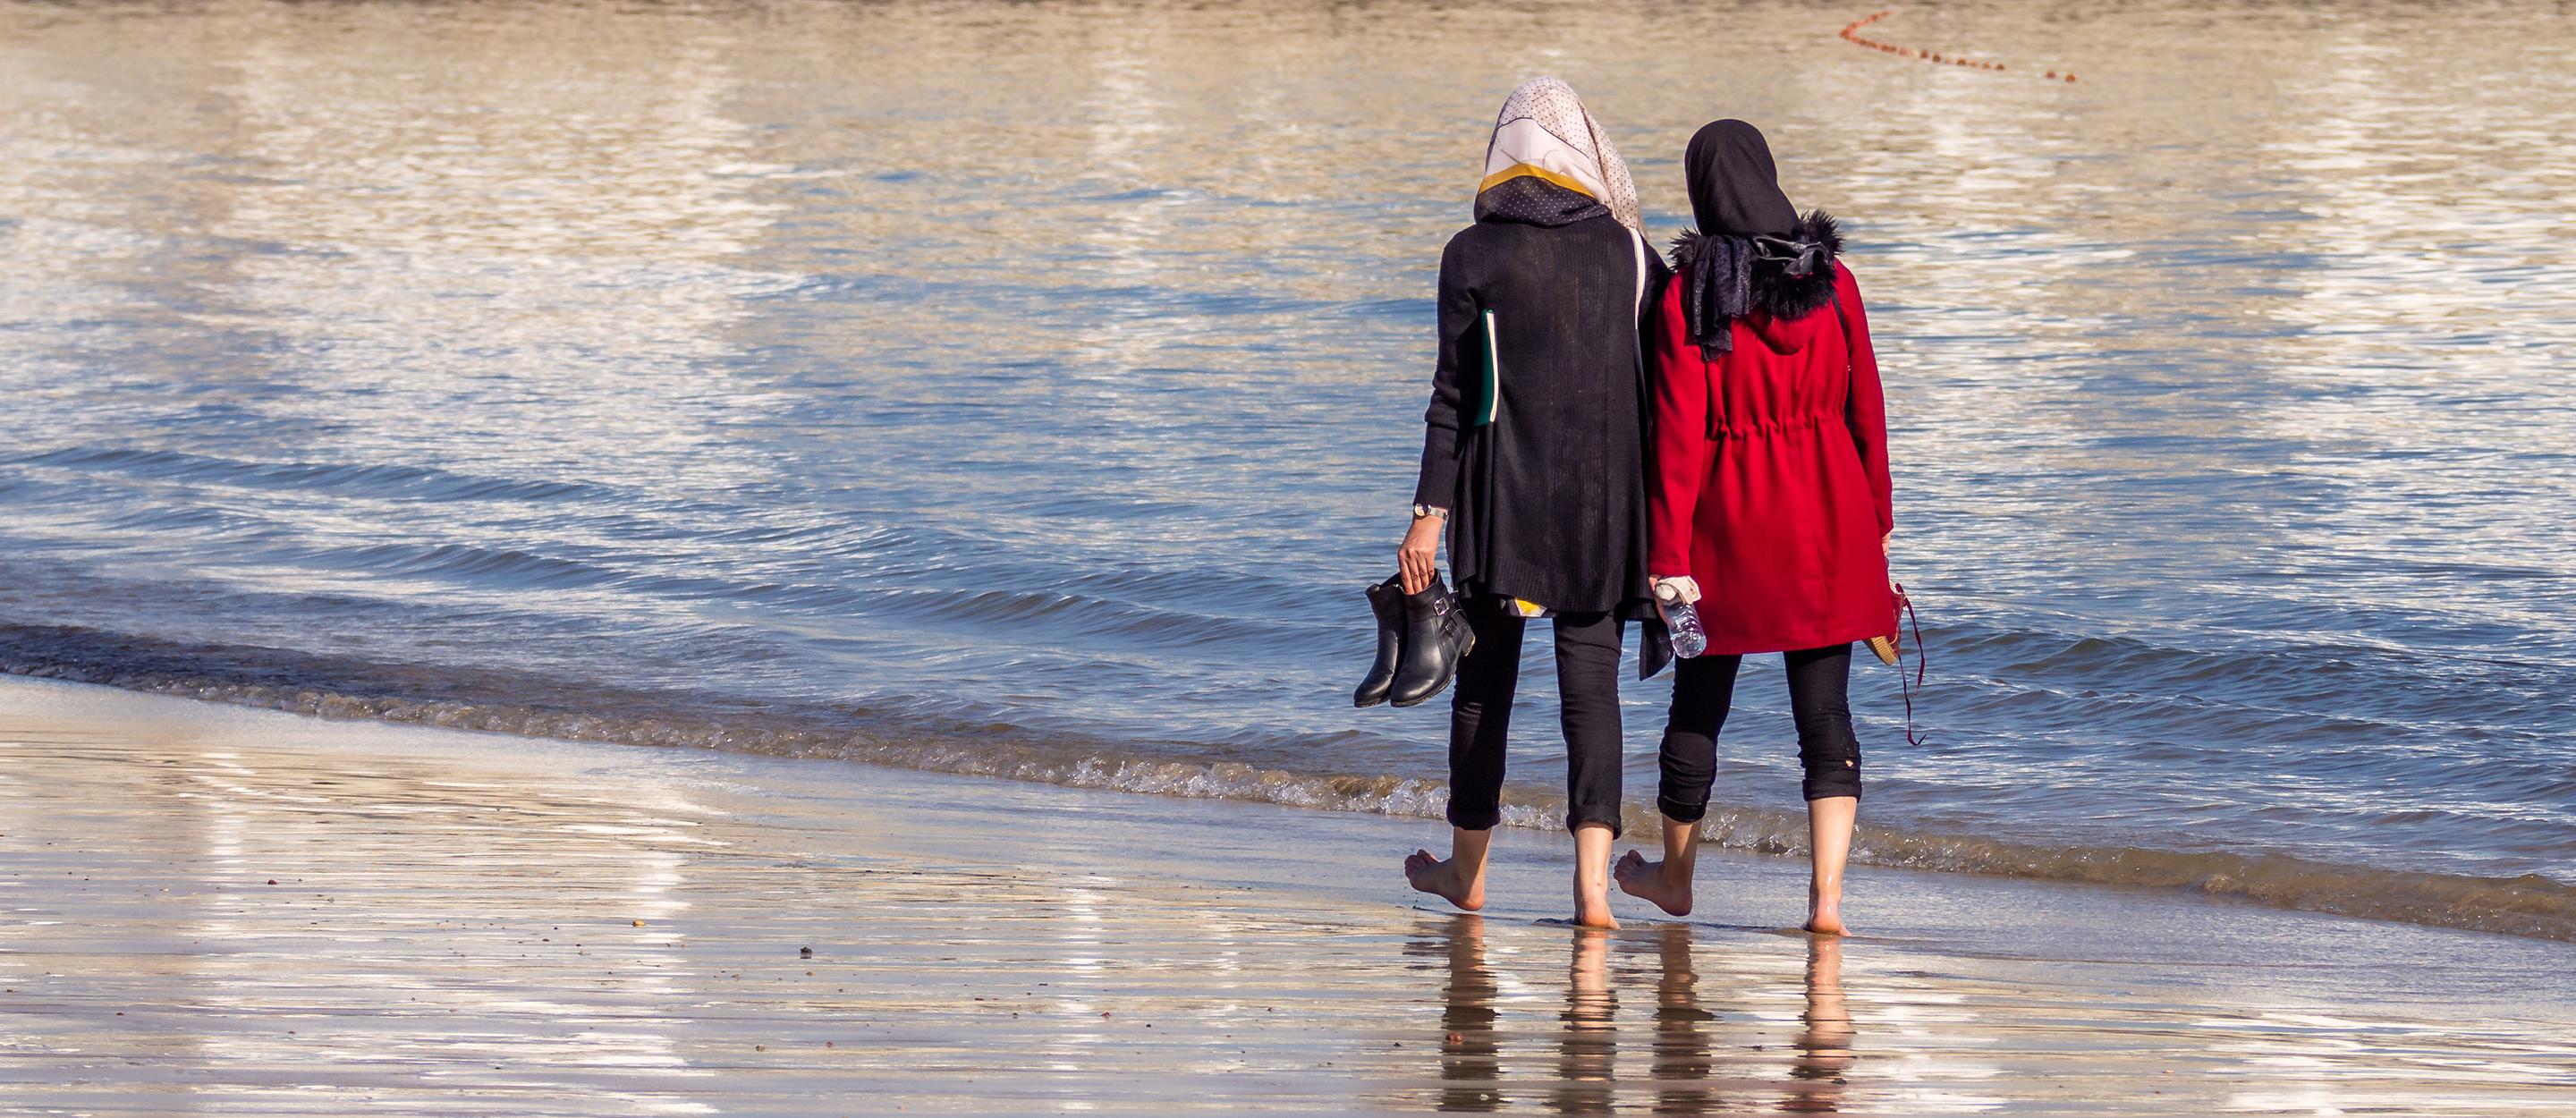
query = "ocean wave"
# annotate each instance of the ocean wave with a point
(408, 482)
(522, 704)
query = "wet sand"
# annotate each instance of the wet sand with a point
(218, 910)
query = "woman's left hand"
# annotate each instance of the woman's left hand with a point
(1418, 558)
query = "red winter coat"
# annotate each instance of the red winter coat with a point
(1770, 485)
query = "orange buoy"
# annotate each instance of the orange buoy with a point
(1851, 33)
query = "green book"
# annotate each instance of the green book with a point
(1492, 393)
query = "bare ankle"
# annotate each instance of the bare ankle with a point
(1665, 884)
(1458, 880)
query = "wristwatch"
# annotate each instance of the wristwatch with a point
(1421, 510)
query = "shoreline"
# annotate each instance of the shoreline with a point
(517, 703)
(469, 923)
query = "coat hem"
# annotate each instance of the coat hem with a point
(1795, 642)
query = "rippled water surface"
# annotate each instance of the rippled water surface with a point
(1029, 389)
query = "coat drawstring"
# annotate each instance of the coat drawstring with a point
(1906, 602)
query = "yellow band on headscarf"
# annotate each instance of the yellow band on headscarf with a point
(1516, 170)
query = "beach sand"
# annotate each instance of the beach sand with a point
(213, 910)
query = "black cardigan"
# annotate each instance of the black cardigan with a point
(1547, 501)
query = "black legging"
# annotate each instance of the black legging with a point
(1480, 716)
(1703, 689)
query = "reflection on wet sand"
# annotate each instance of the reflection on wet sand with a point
(1468, 1062)
(1686, 1073)
(498, 924)
(1587, 1046)
(1681, 1062)
(1824, 1050)
(260, 914)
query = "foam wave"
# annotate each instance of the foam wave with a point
(516, 703)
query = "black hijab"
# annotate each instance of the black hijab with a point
(1746, 225)
(1734, 188)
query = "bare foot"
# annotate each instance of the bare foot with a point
(1825, 911)
(1594, 912)
(1640, 878)
(1440, 878)
(1592, 843)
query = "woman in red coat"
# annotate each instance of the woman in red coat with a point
(1770, 503)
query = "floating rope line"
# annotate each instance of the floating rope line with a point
(1851, 34)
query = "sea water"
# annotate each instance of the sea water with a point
(1031, 390)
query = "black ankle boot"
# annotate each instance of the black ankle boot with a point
(1436, 638)
(1386, 600)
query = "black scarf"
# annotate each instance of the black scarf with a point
(1751, 249)
(1534, 201)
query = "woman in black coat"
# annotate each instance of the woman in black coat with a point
(1532, 462)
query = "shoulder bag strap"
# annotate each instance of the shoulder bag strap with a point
(1637, 241)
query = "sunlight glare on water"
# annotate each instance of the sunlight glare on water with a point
(1029, 389)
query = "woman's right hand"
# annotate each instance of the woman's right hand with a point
(1685, 589)
(1419, 558)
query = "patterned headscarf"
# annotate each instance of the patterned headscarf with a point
(1550, 164)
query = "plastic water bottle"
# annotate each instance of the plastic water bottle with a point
(1688, 638)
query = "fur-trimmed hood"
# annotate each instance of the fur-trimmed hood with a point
(1816, 243)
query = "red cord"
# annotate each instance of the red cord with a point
(1906, 602)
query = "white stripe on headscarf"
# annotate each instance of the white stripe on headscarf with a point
(1544, 125)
